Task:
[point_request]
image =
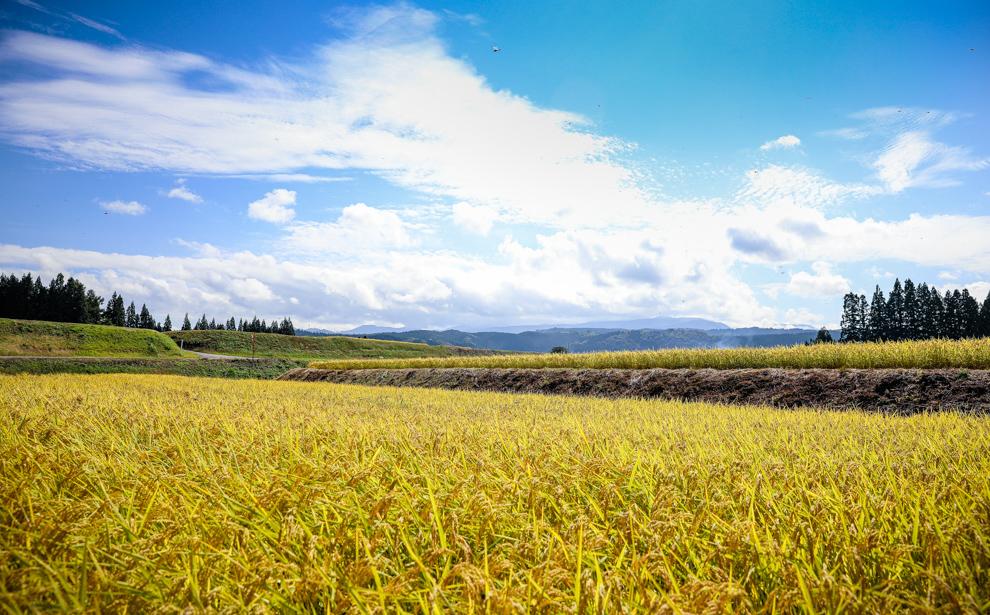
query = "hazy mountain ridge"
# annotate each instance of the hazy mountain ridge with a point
(595, 340)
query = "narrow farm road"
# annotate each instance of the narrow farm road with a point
(221, 357)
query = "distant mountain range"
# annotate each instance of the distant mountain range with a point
(660, 322)
(595, 339)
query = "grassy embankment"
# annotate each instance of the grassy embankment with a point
(57, 339)
(236, 343)
(147, 493)
(266, 369)
(97, 349)
(930, 354)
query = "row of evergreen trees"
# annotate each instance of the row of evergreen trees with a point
(912, 312)
(68, 300)
(254, 325)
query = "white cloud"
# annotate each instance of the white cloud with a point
(784, 142)
(359, 229)
(788, 185)
(201, 249)
(820, 282)
(388, 100)
(474, 218)
(95, 25)
(250, 290)
(180, 191)
(979, 290)
(910, 157)
(128, 208)
(275, 207)
(913, 159)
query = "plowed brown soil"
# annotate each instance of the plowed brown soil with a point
(900, 391)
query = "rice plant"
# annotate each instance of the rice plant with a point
(160, 493)
(926, 354)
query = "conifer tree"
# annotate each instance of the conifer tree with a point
(862, 316)
(167, 325)
(985, 317)
(186, 325)
(850, 319)
(145, 319)
(131, 318)
(877, 320)
(969, 315)
(912, 312)
(895, 312)
(950, 323)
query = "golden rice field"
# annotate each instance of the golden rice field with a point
(927, 354)
(161, 493)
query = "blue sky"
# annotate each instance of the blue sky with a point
(349, 164)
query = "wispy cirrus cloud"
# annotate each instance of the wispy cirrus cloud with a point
(910, 156)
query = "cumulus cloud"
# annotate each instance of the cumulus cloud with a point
(359, 229)
(784, 142)
(182, 192)
(474, 218)
(127, 208)
(753, 243)
(821, 281)
(275, 207)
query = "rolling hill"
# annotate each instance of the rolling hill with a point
(237, 343)
(57, 339)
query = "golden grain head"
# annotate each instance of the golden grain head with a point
(924, 354)
(145, 493)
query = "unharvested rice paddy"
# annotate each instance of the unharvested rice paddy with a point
(926, 354)
(140, 493)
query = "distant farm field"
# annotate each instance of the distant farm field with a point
(237, 343)
(148, 493)
(971, 353)
(38, 338)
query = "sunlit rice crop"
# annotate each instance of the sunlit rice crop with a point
(973, 354)
(137, 493)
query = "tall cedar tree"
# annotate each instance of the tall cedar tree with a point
(878, 317)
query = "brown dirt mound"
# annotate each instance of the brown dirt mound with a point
(900, 391)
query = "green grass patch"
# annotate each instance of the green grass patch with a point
(58, 339)
(236, 343)
(263, 369)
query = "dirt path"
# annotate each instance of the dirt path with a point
(221, 357)
(901, 391)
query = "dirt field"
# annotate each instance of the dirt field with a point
(900, 391)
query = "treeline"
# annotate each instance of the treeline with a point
(68, 300)
(254, 325)
(912, 312)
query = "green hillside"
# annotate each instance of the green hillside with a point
(59, 339)
(236, 343)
